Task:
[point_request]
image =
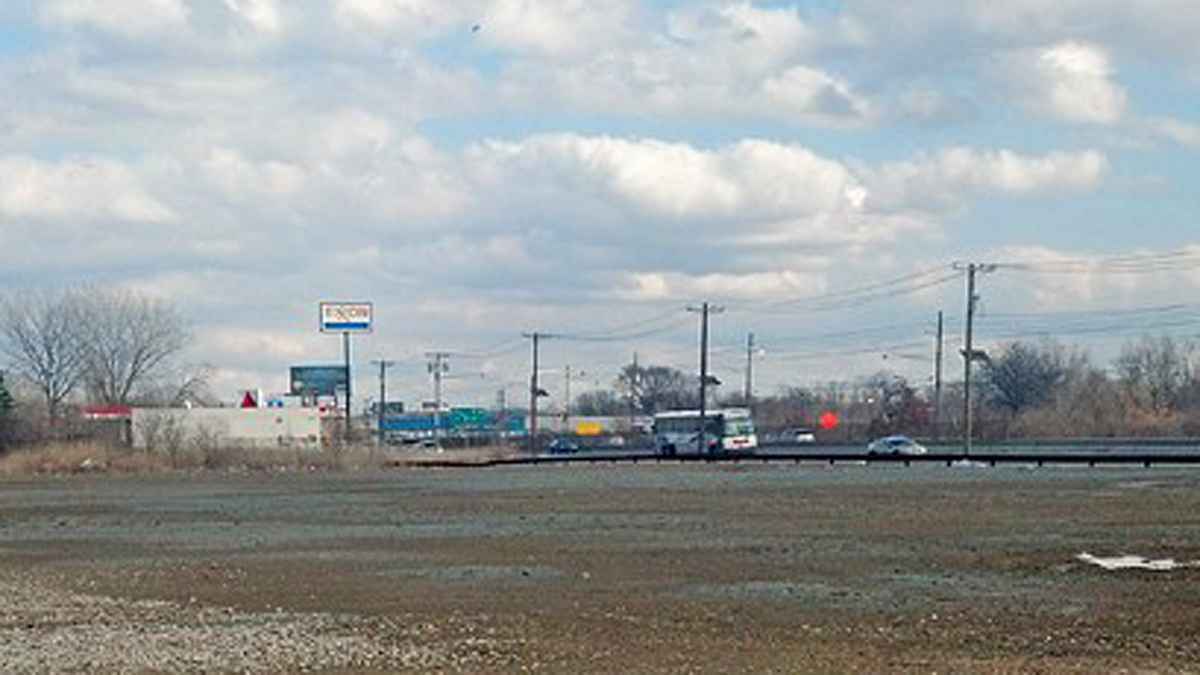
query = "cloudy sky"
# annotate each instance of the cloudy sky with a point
(483, 168)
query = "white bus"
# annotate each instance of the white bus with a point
(729, 430)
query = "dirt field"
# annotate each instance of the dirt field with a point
(606, 569)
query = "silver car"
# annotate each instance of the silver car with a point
(895, 445)
(801, 436)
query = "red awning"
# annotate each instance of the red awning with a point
(107, 412)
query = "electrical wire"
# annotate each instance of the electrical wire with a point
(624, 337)
(857, 296)
(1129, 264)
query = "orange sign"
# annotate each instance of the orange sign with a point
(589, 429)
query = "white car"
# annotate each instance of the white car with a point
(895, 445)
(801, 436)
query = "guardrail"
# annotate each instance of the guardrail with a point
(949, 459)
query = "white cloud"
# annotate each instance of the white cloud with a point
(78, 189)
(954, 173)
(354, 132)
(1160, 27)
(748, 180)
(246, 342)
(676, 83)
(1139, 27)
(709, 62)
(1175, 131)
(925, 104)
(814, 95)
(262, 15)
(129, 18)
(238, 177)
(1070, 81)
(1078, 83)
(665, 285)
(1091, 280)
(402, 17)
(556, 28)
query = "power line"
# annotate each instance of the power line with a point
(857, 296)
(1129, 264)
(625, 337)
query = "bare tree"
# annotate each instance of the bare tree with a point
(1156, 371)
(657, 388)
(126, 339)
(178, 385)
(39, 337)
(1023, 376)
(896, 407)
(7, 405)
(599, 403)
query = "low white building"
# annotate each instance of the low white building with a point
(253, 427)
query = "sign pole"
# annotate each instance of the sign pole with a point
(346, 318)
(346, 352)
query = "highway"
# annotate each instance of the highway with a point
(1036, 454)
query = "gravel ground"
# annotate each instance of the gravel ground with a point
(648, 568)
(46, 630)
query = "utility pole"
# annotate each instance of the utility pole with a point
(969, 354)
(634, 380)
(704, 309)
(383, 366)
(534, 390)
(750, 371)
(437, 366)
(968, 357)
(937, 381)
(501, 414)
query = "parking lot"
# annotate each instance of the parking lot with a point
(608, 568)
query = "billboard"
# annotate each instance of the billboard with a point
(317, 380)
(458, 422)
(346, 317)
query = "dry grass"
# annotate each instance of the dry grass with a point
(480, 455)
(62, 458)
(93, 457)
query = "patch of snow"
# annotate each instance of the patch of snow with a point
(1124, 562)
(968, 464)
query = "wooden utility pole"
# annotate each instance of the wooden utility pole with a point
(969, 352)
(383, 366)
(534, 390)
(968, 357)
(634, 380)
(749, 397)
(937, 381)
(704, 309)
(437, 367)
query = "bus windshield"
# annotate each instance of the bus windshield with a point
(739, 426)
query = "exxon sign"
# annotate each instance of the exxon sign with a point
(346, 317)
